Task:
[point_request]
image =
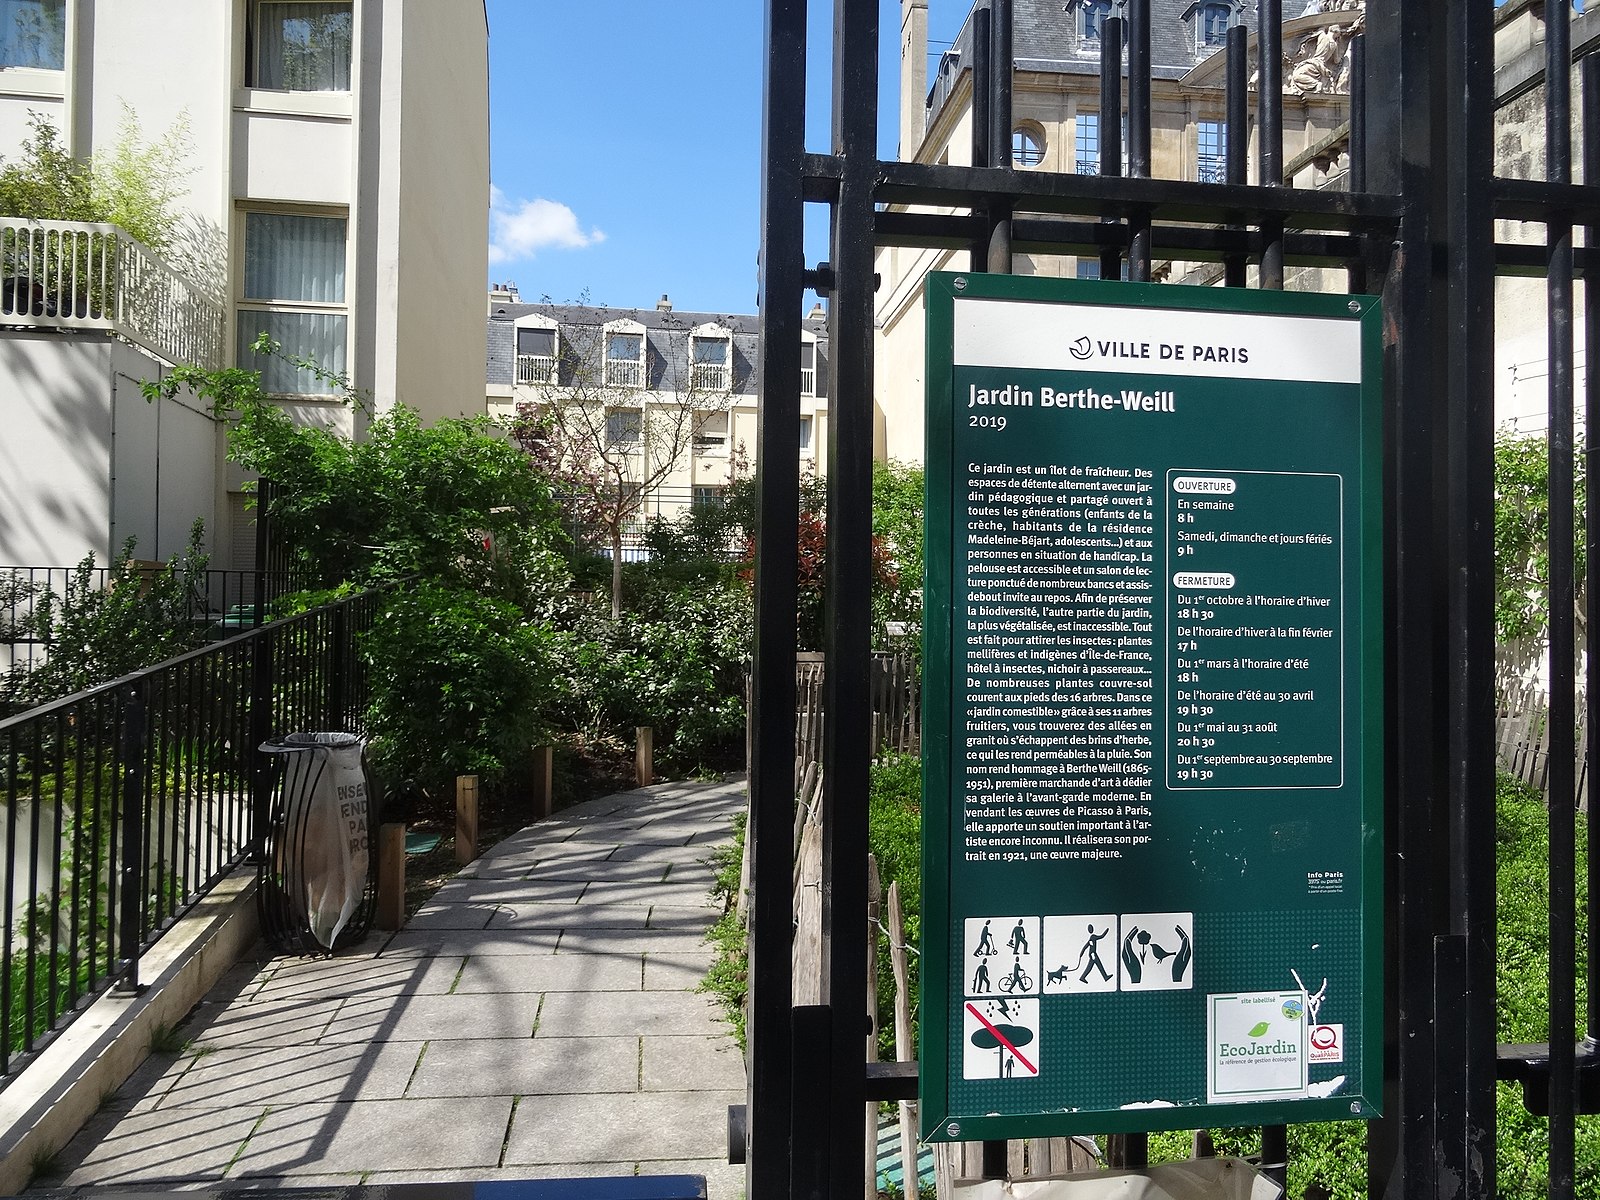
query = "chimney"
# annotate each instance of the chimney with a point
(913, 77)
(503, 293)
(817, 313)
(663, 304)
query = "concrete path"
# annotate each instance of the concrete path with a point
(536, 1018)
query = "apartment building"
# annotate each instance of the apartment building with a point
(1056, 127)
(337, 201)
(671, 393)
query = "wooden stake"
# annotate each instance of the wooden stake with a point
(644, 756)
(903, 1050)
(466, 819)
(391, 912)
(544, 781)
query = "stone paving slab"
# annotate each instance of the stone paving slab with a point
(538, 1018)
(361, 1135)
(528, 1067)
(618, 1126)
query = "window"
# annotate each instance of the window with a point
(1091, 13)
(707, 496)
(294, 271)
(536, 356)
(624, 427)
(301, 46)
(808, 369)
(624, 359)
(1088, 143)
(713, 363)
(805, 435)
(711, 435)
(33, 33)
(1211, 26)
(1027, 147)
(1089, 268)
(1213, 152)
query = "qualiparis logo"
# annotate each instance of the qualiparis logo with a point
(1081, 349)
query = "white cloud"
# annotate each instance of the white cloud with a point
(520, 229)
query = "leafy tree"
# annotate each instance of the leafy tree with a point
(1522, 549)
(608, 431)
(897, 498)
(451, 501)
(133, 184)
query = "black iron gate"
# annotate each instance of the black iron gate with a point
(1417, 224)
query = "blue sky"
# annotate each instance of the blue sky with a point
(625, 144)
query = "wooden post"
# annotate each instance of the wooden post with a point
(391, 912)
(644, 756)
(544, 781)
(874, 893)
(466, 819)
(903, 1050)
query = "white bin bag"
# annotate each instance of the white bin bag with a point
(323, 827)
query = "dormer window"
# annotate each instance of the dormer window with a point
(1091, 16)
(711, 359)
(33, 34)
(624, 346)
(1212, 27)
(536, 355)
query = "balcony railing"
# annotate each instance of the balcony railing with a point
(624, 372)
(710, 377)
(808, 381)
(76, 275)
(536, 368)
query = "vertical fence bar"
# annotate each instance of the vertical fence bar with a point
(1357, 177)
(133, 761)
(771, 1099)
(846, 750)
(1110, 124)
(1000, 75)
(1466, 1021)
(1235, 266)
(1269, 130)
(1591, 422)
(1560, 797)
(983, 147)
(1138, 133)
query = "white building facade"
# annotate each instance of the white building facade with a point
(337, 201)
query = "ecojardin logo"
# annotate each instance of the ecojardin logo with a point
(1258, 1046)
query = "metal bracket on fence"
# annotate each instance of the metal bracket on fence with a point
(1529, 1064)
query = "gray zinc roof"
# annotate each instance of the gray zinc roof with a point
(660, 327)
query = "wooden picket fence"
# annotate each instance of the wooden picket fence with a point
(1522, 738)
(896, 695)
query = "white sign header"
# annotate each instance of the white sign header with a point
(1155, 341)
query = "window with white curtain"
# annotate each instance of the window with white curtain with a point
(33, 33)
(302, 46)
(294, 291)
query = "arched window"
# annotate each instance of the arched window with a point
(1027, 146)
(1090, 15)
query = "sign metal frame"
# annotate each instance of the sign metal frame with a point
(1361, 666)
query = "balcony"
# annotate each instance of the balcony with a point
(536, 368)
(78, 275)
(711, 377)
(624, 373)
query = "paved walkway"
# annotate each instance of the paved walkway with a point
(536, 1018)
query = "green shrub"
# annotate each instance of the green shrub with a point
(457, 682)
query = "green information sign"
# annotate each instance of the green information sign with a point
(1153, 688)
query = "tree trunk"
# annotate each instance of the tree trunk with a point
(616, 573)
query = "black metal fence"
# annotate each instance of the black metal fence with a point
(215, 604)
(126, 803)
(1419, 224)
